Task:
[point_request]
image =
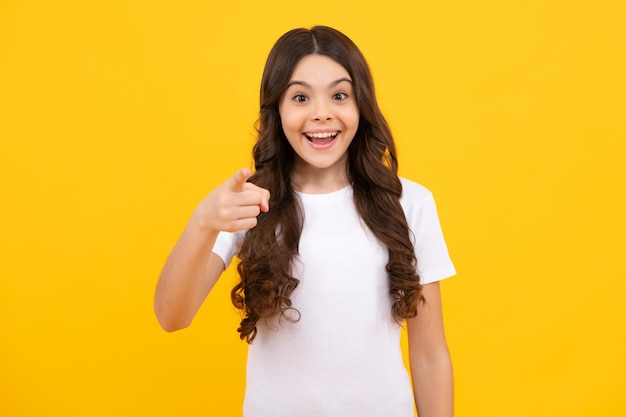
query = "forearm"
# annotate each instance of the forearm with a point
(183, 281)
(433, 385)
(192, 269)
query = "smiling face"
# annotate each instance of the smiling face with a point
(319, 116)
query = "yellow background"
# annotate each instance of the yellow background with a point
(117, 117)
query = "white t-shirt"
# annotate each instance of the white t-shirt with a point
(343, 357)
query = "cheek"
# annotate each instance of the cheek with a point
(356, 120)
(351, 118)
(284, 121)
(290, 121)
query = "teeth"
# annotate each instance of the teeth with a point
(321, 135)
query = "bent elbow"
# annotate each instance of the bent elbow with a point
(170, 323)
(171, 327)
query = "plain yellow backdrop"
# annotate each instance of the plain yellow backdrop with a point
(117, 117)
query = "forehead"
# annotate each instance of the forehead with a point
(319, 69)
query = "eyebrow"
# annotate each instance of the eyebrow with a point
(306, 85)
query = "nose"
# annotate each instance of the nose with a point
(322, 111)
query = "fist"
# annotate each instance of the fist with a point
(234, 205)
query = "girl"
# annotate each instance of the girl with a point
(336, 251)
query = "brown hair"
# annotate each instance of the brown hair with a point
(269, 249)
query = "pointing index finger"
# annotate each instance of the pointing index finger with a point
(239, 179)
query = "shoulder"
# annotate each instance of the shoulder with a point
(418, 203)
(433, 259)
(414, 194)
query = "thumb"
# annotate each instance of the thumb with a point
(237, 182)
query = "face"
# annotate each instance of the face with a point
(320, 117)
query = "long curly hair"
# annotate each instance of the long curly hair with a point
(271, 247)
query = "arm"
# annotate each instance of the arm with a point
(431, 367)
(192, 269)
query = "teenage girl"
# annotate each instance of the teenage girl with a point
(335, 251)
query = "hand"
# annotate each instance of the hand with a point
(234, 205)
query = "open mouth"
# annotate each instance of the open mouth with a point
(321, 137)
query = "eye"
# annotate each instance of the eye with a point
(340, 96)
(300, 98)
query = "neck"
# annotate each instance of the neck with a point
(311, 180)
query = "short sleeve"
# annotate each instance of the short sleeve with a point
(227, 245)
(431, 251)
